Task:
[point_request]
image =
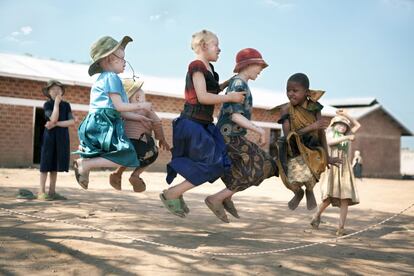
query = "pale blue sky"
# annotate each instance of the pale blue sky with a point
(348, 48)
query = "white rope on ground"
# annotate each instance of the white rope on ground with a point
(207, 252)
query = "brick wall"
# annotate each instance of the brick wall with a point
(16, 130)
(378, 140)
(30, 89)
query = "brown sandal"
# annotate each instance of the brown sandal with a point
(82, 180)
(137, 184)
(228, 205)
(218, 210)
(115, 180)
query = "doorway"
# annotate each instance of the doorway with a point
(39, 127)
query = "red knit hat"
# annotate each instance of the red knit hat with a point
(247, 57)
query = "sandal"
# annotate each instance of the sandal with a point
(57, 196)
(184, 205)
(44, 197)
(294, 202)
(340, 232)
(316, 220)
(115, 181)
(228, 205)
(218, 210)
(173, 205)
(81, 179)
(310, 200)
(25, 194)
(137, 184)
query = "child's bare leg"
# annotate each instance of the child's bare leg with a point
(137, 172)
(316, 220)
(177, 190)
(343, 213)
(221, 196)
(85, 165)
(52, 183)
(43, 177)
(120, 170)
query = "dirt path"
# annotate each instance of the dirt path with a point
(32, 247)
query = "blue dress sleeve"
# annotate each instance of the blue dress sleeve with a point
(237, 85)
(113, 84)
(48, 109)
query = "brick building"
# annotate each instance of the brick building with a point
(21, 102)
(378, 139)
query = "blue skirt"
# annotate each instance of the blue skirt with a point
(199, 153)
(101, 134)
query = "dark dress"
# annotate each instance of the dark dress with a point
(54, 154)
(199, 152)
(250, 165)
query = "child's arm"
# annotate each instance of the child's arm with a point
(158, 131)
(55, 113)
(245, 123)
(355, 123)
(286, 123)
(122, 107)
(211, 99)
(337, 140)
(320, 124)
(146, 122)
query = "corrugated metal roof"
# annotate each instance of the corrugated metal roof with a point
(26, 67)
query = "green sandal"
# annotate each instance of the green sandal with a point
(173, 205)
(184, 205)
(57, 196)
(25, 194)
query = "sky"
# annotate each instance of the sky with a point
(349, 48)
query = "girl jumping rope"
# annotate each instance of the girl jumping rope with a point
(103, 142)
(250, 165)
(303, 152)
(199, 153)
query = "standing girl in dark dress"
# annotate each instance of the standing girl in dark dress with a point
(54, 155)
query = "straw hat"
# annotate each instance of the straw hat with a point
(341, 119)
(102, 48)
(131, 86)
(49, 84)
(246, 57)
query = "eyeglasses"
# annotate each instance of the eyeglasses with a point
(134, 77)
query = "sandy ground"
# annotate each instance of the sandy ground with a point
(31, 246)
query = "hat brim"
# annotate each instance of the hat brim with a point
(45, 89)
(96, 68)
(241, 65)
(135, 88)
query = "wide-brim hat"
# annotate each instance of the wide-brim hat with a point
(49, 84)
(131, 86)
(102, 48)
(341, 119)
(247, 57)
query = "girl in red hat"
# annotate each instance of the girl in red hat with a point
(338, 183)
(250, 165)
(199, 153)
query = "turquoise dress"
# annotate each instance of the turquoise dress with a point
(101, 133)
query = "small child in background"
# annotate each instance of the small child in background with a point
(303, 152)
(141, 137)
(338, 183)
(55, 151)
(357, 165)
